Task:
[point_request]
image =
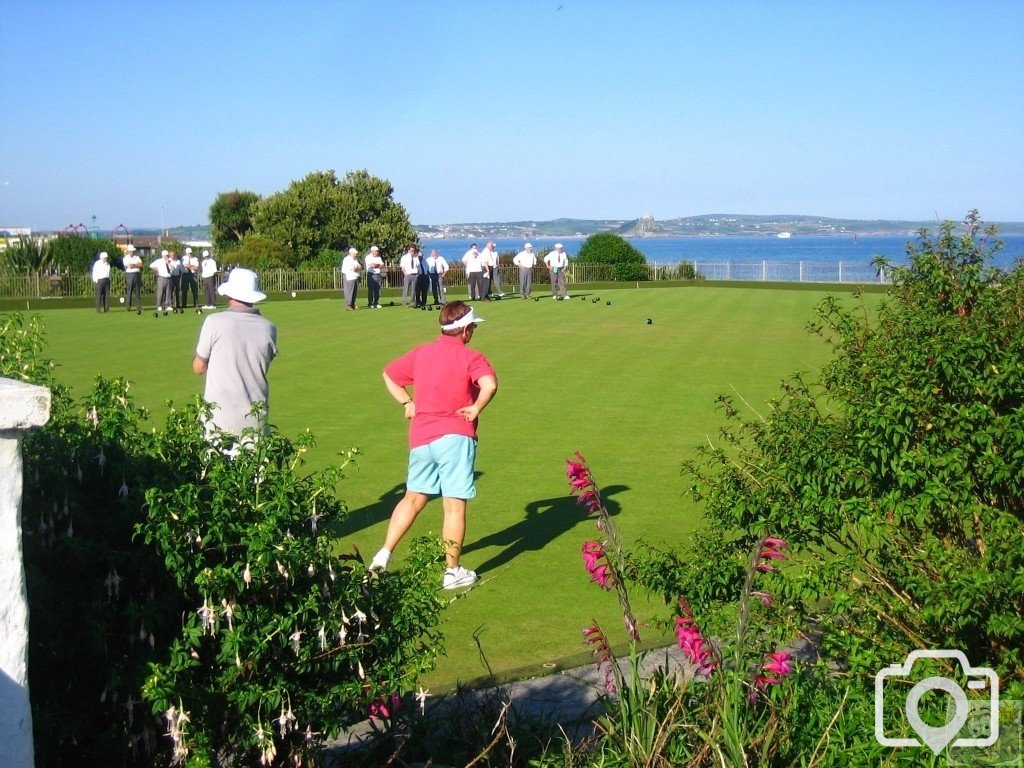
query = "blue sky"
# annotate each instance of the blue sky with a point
(484, 111)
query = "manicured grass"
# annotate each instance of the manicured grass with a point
(634, 398)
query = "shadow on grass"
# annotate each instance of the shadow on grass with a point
(546, 520)
(381, 510)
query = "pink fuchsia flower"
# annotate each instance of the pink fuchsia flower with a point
(770, 550)
(692, 641)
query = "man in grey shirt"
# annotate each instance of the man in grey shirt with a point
(234, 351)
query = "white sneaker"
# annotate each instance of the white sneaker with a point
(458, 577)
(554, 297)
(380, 561)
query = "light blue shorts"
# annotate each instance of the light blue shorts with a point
(443, 467)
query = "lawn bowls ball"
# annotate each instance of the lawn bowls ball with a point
(649, 321)
(121, 299)
(293, 294)
(608, 303)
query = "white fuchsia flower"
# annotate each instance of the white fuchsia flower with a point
(113, 585)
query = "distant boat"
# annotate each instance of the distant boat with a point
(784, 235)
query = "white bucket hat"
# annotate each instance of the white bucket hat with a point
(242, 285)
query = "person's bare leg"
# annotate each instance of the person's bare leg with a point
(454, 528)
(403, 517)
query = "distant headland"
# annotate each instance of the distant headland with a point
(710, 225)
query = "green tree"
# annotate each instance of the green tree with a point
(628, 263)
(231, 216)
(321, 212)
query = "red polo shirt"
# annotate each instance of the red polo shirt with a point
(444, 374)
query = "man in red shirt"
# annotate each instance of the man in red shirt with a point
(452, 385)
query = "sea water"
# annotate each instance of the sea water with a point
(855, 251)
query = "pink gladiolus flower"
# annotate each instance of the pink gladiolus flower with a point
(592, 552)
(764, 597)
(779, 663)
(692, 642)
(590, 500)
(601, 574)
(770, 550)
(602, 652)
(778, 666)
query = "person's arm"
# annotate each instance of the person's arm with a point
(488, 389)
(401, 396)
(199, 365)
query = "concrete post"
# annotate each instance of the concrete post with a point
(22, 406)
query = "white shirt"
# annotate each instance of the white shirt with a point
(350, 268)
(189, 263)
(161, 267)
(489, 257)
(100, 270)
(132, 262)
(473, 262)
(374, 263)
(525, 259)
(408, 264)
(437, 264)
(556, 260)
(209, 267)
(174, 265)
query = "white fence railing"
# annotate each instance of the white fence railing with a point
(326, 279)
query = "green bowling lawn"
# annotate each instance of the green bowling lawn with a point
(634, 397)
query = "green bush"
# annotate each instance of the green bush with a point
(189, 606)
(628, 263)
(897, 476)
(258, 252)
(77, 254)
